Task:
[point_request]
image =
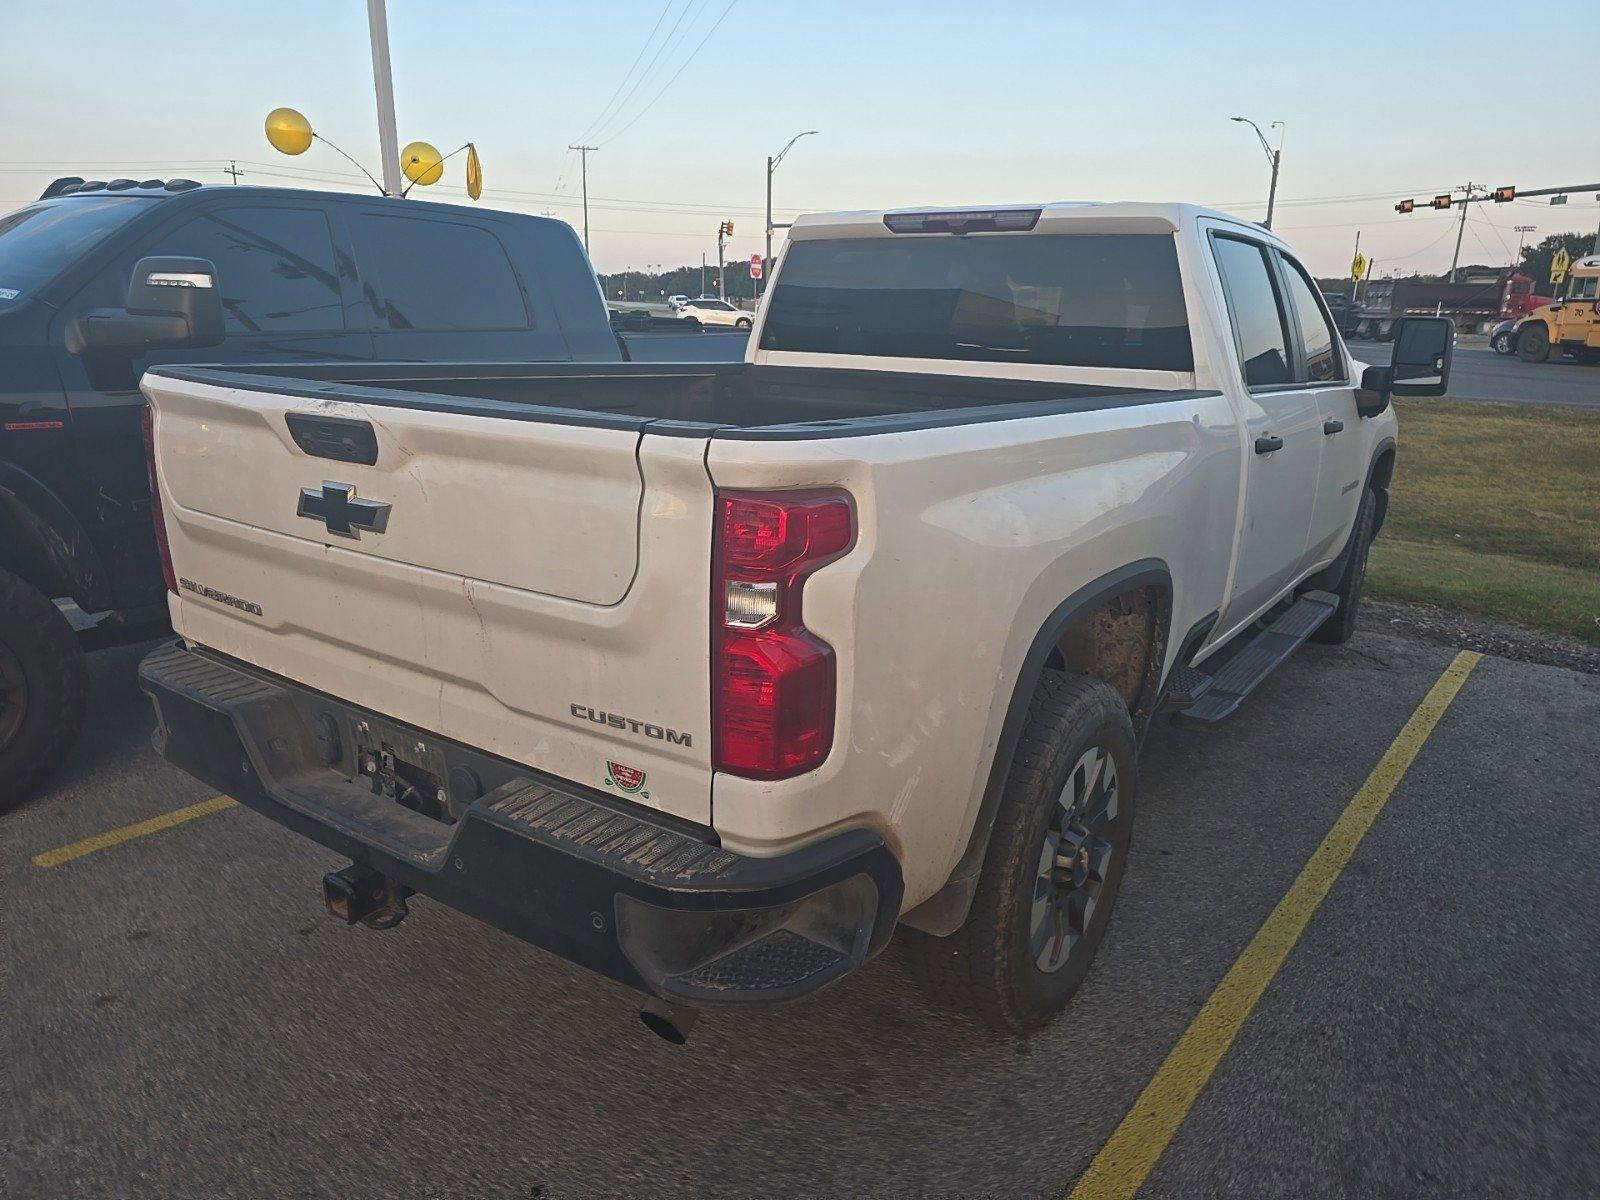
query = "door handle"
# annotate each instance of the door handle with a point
(1266, 445)
(1332, 427)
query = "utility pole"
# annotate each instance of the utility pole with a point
(724, 229)
(1461, 229)
(584, 151)
(772, 165)
(383, 82)
(1522, 232)
(233, 169)
(702, 272)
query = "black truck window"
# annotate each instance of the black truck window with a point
(38, 242)
(275, 267)
(442, 275)
(1084, 300)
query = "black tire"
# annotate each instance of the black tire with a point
(1501, 343)
(693, 323)
(1347, 576)
(1533, 343)
(742, 323)
(995, 967)
(44, 688)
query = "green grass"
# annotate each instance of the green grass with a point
(1495, 509)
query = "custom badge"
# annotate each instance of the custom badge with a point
(629, 780)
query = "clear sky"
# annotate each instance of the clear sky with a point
(928, 102)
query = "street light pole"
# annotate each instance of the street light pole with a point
(383, 82)
(1274, 157)
(772, 165)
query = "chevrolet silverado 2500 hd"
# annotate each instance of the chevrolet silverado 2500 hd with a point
(708, 677)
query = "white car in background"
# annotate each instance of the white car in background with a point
(708, 310)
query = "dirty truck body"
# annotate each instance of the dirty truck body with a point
(708, 677)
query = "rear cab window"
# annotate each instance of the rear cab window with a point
(437, 274)
(1078, 300)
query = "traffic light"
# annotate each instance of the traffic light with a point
(1439, 202)
(1405, 206)
(1504, 195)
(726, 229)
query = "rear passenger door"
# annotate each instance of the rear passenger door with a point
(443, 288)
(1283, 426)
(1323, 370)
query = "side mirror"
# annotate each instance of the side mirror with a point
(172, 302)
(1422, 349)
(1420, 367)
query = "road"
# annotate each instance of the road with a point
(186, 1022)
(1478, 373)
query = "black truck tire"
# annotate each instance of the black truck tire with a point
(44, 688)
(1533, 343)
(1070, 793)
(1348, 575)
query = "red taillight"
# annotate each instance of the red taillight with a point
(147, 429)
(772, 679)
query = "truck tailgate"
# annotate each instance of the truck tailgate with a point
(535, 589)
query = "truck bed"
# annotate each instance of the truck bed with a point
(694, 399)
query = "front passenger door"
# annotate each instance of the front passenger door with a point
(1284, 429)
(1322, 369)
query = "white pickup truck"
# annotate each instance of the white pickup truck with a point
(709, 676)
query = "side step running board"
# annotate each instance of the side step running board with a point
(1201, 704)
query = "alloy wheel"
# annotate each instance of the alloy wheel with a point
(1075, 860)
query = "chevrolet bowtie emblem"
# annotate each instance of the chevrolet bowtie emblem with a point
(336, 506)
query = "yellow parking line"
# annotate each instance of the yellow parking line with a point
(115, 837)
(1133, 1149)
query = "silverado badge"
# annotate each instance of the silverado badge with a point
(626, 779)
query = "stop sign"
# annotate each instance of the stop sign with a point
(755, 266)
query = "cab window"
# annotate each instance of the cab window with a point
(1323, 362)
(275, 267)
(1583, 288)
(1253, 305)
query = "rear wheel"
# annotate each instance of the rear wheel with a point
(44, 688)
(1055, 861)
(742, 323)
(1501, 343)
(1533, 343)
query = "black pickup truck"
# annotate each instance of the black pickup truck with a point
(274, 275)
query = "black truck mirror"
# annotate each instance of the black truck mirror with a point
(1420, 366)
(1422, 349)
(172, 302)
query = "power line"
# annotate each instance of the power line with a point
(628, 74)
(666, 43)
(668, 85)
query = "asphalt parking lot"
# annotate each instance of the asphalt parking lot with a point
(185, 1021)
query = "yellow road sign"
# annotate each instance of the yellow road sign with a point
(1559, 264)
(1358, 266)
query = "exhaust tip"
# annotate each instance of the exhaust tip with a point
(671, 1022)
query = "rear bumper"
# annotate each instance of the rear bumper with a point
(654, 903)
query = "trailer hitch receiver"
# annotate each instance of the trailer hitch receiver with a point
(360, 895)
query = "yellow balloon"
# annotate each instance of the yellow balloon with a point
(421, 163)
(288, 131)
(474, 172)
